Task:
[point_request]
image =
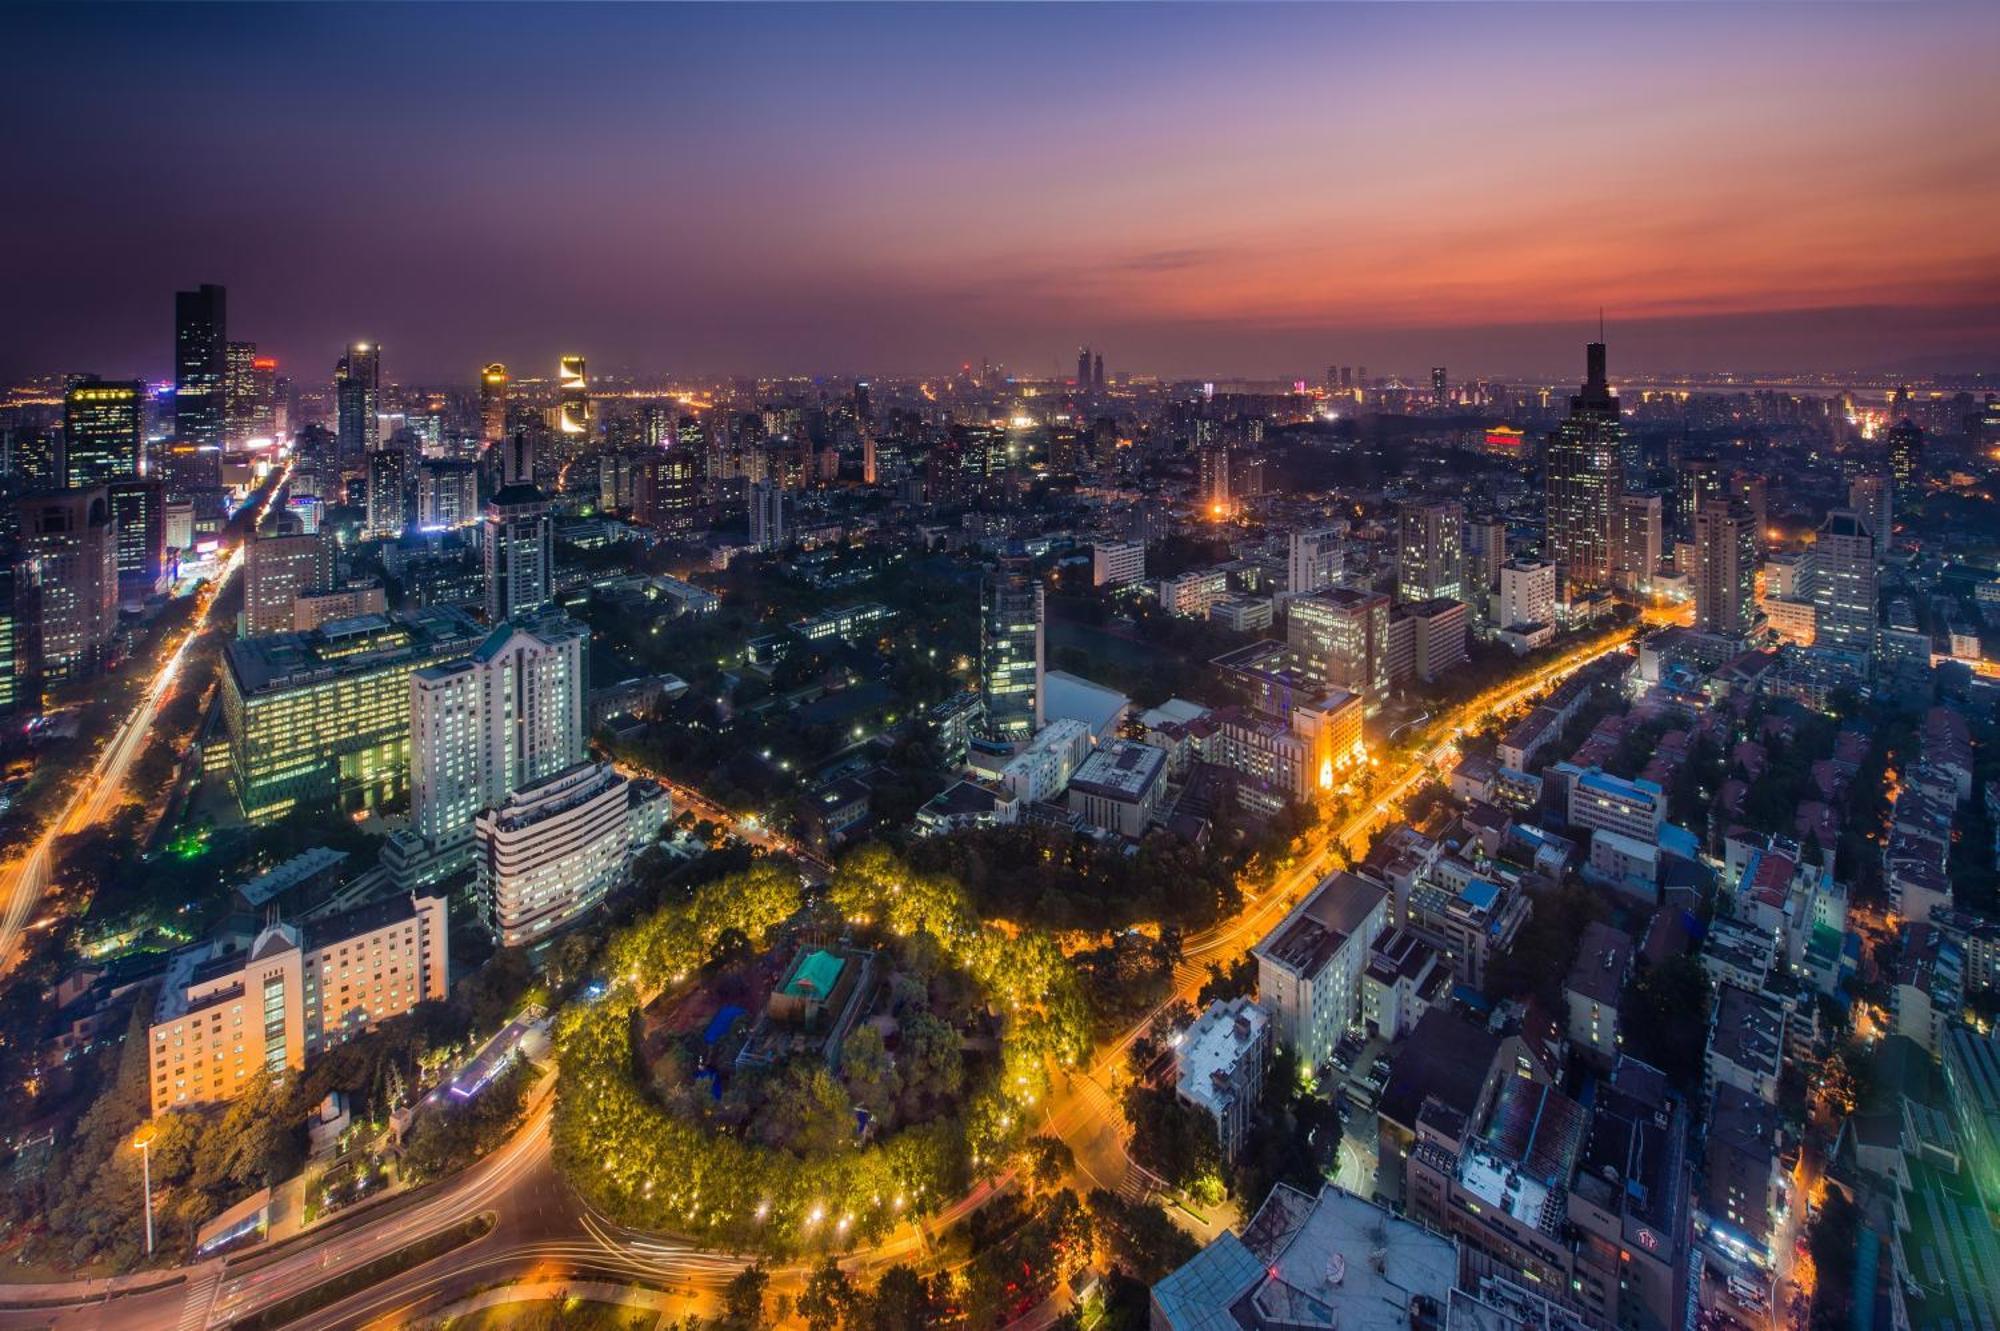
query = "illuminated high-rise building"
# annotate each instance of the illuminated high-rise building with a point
(493, 403)
(1725, 573)
(1430, 552)
(68, 559)
(516, 541)
(201, 365)
(281, 562)
(1641, 536)
(1010, 647)
(1585, 478)
(103, 431)
(1440, 387)
(1906, 455)
(573, 413)
(388, 492)
(1083, 369)
(485, 726)
(139, 516)
(1845, 584)
(1345, 634)
(1701, 479)
(769, 513)
(239, 393)
(1315, 559)
(447, 494)
(1874, 498)
(357, 401)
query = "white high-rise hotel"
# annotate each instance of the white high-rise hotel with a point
(485, 726)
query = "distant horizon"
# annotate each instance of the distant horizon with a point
(1201, 190)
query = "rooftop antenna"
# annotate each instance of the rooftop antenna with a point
(1600, 323)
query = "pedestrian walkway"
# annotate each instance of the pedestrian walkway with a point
(200, 1297)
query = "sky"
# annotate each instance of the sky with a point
(1207, 190)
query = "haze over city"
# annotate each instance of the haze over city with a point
(1209, 190)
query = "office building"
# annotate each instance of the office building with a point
(1437, 636)
(139, 516)
(67, 562)
(1527, 594)
(1874, 498)
(1219, 1067)
(1725, 572)
(228, 1013)
(1430, 552)
(1117, 563)
(1640, 533)
(1906, 456)
(492, 404)
(550, 852)
(1702, 479)
(517, 543)
(447, 494)
(1632, 807)
(573, 412)
(103, 432)
(1845, 581)
(239, 394)
(770, 507)
(388, 488)
(1193, 594)
(1309, 967)
(201, 366)
(1011, 648)
(280, 564)
(1585, 479)
(357, 399)
(1120, 787)
(322, 719)
(1315, 559)
(316, 609)
(483, 727)
(1345, 634)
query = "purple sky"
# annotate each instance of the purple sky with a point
(1197, 189)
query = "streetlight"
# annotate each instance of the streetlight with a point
(143, 1145)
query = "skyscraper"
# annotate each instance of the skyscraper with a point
(1010, 647)
(69, 559)
(1097, 372)
(1845, 583)
(1725, 582)
(516, 542)
(1430, 552)
(493, 404)
(1906, 455)
(1083, 369)
(1873, 497)
(357, 388)
(139, 517)
(1439, 387)
(239, 392)
(201, 365)
(1700, 479)
(103, 431)
(388, 490)
(1585, 478)
(485, 726)
(1640, 541)
(769, 506)
(573, 398)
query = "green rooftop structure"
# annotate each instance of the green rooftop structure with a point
(815, 976)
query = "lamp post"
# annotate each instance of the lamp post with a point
(143, 1145)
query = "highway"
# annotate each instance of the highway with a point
(543, 1230)
(24, 880)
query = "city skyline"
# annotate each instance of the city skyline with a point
(828, 189)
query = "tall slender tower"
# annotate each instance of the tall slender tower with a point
(1010, 647)
(201, 364)
(515, 540)
(493, 404)
(1725, 584)
(1585, 478)
(357, 393)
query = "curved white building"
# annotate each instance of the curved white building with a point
(554, 848)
